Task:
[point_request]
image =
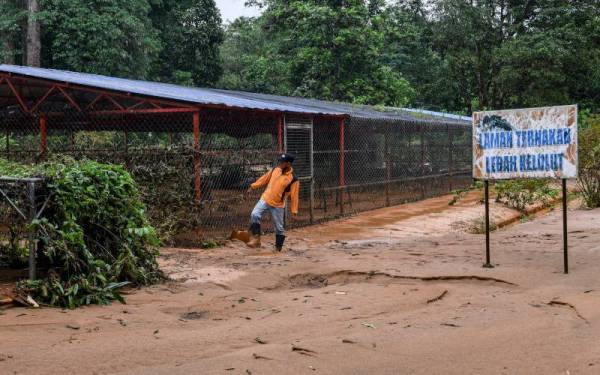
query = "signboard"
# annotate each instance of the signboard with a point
(525, 143)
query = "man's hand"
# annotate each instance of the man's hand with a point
(248, 191)
(294, 216)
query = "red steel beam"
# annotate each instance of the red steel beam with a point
(17, 95)
(141, 102)
(145, 111)
(96, 99)
(197, 169)
(157, 102)
(115, 103)
(68, 97)
(42, 99)
(43, 133)
(91, 90)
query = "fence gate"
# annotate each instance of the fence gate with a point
(299, 142)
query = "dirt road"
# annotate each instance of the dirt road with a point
(394, 291)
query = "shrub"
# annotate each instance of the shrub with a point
(521, 193)
(95, 234)
(589, 161)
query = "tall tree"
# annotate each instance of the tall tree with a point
(251, 61)
(332, 50)
(34, 39)
(191, 32)
(112, 37)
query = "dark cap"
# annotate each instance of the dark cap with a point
(286, 158)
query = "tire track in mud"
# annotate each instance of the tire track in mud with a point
(316, 280)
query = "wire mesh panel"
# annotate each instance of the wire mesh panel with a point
(194, 165)
(22, 201)
(298, 142)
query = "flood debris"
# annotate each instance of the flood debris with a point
(450, 325)
(260, 341)
(256, 356)
(74, 326)
(348, 341)
(438, 297)
(368, 325)
(193, 315)
(303, 351)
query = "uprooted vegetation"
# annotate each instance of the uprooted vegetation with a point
(589, 161)
(94, 236)
(522, 193)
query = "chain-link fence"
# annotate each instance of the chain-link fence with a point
(193, 166)
(22, 201)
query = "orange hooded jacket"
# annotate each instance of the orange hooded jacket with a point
(279, 187)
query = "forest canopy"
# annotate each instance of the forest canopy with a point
(449, 55)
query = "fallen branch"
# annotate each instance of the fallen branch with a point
(438, 297)
(256, 356)
(6, 301)
(303, 351)
(561, 303)
(450, 325)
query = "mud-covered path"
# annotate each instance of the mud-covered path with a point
(395, 291)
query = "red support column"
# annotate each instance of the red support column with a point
(43, 136)
(280, 133)
(342, 172)
(197, 171)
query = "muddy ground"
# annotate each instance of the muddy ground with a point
(394, 291)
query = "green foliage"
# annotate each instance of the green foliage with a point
(105, 37)
(589, 160)
(95, 234)
(318, 49)
(190, 33)
(13, 15)
(521, 193)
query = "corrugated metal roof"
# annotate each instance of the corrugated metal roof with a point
(235, 99)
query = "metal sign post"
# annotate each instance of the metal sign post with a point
(487, 263)
(525, 143)
(565, 239)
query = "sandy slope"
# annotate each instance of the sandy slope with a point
(351, 297)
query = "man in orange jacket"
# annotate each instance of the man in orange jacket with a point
(281, 183)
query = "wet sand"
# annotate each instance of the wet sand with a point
(393, 291)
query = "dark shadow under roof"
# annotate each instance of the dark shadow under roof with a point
(232, 99)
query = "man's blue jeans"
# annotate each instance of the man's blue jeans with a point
(276, 216)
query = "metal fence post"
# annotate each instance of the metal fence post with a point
(43, 137)
(280, 133)
(450, 158)
(32, 232)
(312, 172)
(422, 134)
(342, 172)
(7, 144)
(197, 177)
(387, 167)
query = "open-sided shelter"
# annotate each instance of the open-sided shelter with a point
(195, 150)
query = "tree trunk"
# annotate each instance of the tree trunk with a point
(34, 43)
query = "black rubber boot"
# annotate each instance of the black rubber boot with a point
(255, 239)
(279, 240)
(254, 229)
